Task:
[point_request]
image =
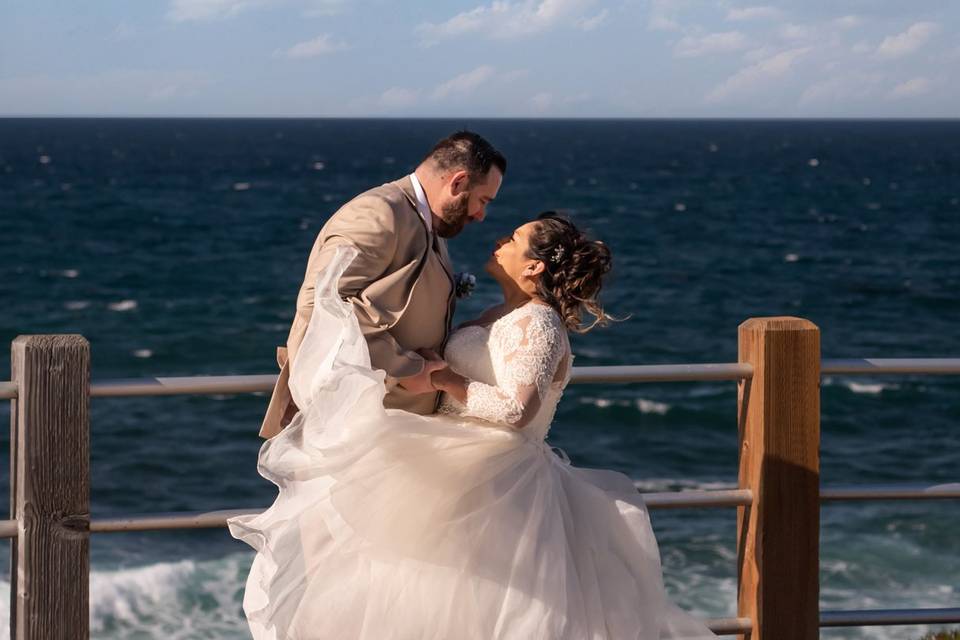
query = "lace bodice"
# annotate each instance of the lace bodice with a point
(517, 367)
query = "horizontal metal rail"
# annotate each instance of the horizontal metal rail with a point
(729, 626)
(867, 366)
(653, 500)
(200, 385)
(890, 492)
(8, 528)
(209, 385)
(882, 617)
(213, 519)
(663, 373)
(698, 498)
(164, 521)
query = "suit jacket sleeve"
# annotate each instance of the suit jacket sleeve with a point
(370, 225)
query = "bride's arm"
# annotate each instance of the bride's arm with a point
(529, 353)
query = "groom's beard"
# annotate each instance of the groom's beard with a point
(454, 216)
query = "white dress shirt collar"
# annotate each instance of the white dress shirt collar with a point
(423, 208)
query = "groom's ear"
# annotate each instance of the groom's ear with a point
(459, 182)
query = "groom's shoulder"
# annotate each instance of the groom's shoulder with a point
(386, 201)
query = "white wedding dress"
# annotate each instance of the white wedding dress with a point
(456, 526)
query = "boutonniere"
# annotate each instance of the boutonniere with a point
(465, 282)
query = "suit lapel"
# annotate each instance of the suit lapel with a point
(406, 186)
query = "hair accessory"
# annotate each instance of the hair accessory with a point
(558, 252)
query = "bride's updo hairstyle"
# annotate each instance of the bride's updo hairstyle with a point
(574, 266)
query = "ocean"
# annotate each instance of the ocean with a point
(176, 246)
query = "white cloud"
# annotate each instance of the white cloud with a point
(463, 84)
(206, 10)
(847, 22)
(749, 77)
(541, 102)
(910, 88)
(125, 31)
(663, 15)
(504, 19)
(398, 98)
(126, 91)
(315, 8)
(191, 10)
(909, 41)
(589, 24)
(792, 31)
(842, 88)
(699, 45)
(753, 13)
(318, 46)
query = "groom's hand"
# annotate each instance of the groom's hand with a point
(421, 383)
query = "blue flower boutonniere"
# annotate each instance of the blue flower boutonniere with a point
(464, 284)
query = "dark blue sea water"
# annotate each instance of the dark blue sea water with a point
(177, 247)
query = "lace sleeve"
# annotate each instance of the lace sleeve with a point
(526, 353)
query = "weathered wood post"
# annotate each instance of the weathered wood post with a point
(50, 477)
(778, 537)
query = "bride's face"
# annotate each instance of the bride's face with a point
(511, 261)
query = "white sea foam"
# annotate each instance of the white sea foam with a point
(189, 599)
(143, 353)
(858, 387)
(123, 305)
(241, 186)
(649, 485)
(791, 257)
(871, 388)
(76, 305)
(70, 273)
(651, 406)
(181, 600)
(642, 404)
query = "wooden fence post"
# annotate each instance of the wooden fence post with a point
(778, 537)
(50, 474)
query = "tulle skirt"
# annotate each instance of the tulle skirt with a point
(394, 526)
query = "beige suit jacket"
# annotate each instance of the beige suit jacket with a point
(401, 287)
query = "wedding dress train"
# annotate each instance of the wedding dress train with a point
(395, 526)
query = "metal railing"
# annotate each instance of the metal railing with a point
(734, 497)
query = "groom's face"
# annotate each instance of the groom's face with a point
(467, 201)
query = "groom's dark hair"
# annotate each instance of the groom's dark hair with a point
(469, 151)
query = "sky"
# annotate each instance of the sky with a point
(494, 58)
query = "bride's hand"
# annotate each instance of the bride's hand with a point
(450, 382)
(421, 383)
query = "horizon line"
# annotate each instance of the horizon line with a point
(491, 118)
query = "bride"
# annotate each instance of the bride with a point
(464, 524)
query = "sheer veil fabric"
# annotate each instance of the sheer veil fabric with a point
(394, 526)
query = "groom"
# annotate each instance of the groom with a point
(401, 283)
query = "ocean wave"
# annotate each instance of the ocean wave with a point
(680, 484)
(189, 599)
(642, 404)
(870, 388)
(180, 600)
(123, 305)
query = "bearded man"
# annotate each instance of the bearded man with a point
(401, 284)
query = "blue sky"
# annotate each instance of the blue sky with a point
(499, 58)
